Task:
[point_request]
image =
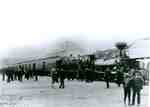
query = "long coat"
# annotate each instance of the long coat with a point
(138, 83)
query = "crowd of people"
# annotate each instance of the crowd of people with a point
(18, 73)
(132, 80)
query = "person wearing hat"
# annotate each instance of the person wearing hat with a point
(87, 71)
(137, 86)
(62, 77)
(127, 87)
(119, 76)
(107, 76)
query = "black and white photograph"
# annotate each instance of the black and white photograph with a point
(74, 53)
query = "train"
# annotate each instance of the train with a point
(74, 68)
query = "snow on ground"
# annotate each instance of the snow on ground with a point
(30, 93)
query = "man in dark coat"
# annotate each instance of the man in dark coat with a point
(20, 73)
(107, 76)
(35, 71)
(120, 77)
(3, 73)
(62, 77)
(137, 86)
(87, 72)
(10, 74)
(127, 84)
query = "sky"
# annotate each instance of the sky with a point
(95, 24)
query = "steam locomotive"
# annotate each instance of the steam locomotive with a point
(75, 68)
